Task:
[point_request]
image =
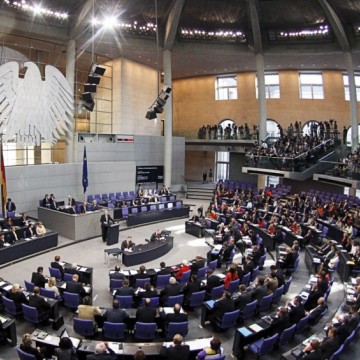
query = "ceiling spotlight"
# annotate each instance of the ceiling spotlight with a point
(93, 79)
(98, 70)
(151, 114)
(90, 88)
(86, 97)
(158, 109)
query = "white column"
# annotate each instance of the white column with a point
(70, 77)
(168, 122)
(353, 101)
(261, 94)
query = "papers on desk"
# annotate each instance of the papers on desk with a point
(217, 247)
(62, 263)
(170, 310)
(2, 283)
(298, 236)
(256, 327)
(316, 260)
(353, 281)
(313, 279)
(244, 331)
(308, 340)
(63, 286)
(7, 287)
(128, 250)
(76, 342)
(3, 320)
(133, 272)
(42, 335)
(87, 289)
(304, 295)
(210, 304)
(83, 269)
(7, 244)
(221, 276)
(197, 344)
(156, 270)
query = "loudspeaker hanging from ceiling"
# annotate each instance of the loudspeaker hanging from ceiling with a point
(157, 106)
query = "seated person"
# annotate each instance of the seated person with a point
(177, 351)
(125, 290)
(242, 298)
(213, 350)
(17, 296)
(40, 228)
(25, 346)
(75, 287)
(116, 274)
(171, 289)
(56, 265)
(38, 279)
(314, 315)
(191, 287)
(184, 267)
(163, 269)
(146, 313)
(150, 292)
(297, 311)
(175, 317)
(12, 235)
(40, 304)
(225, 304)
(280, 322)
(3, 242)
(156, 235)
(51, 285)
(73, 270)
(127, 244)
(311, 351)
(66, 349)
(116, 314)
(30, 231)
(87, 311)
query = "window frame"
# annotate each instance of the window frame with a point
(228, 88)
(311, 85)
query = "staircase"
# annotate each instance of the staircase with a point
(200, 191)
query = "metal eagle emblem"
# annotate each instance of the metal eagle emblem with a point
(32, 109)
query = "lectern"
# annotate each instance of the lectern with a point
(113, 234)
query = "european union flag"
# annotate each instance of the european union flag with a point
(85, 172)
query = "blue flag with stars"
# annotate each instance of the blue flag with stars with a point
(85, 181)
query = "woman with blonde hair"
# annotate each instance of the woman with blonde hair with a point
(26, 347)
(17, 296)
(40, 229)
(51, 285)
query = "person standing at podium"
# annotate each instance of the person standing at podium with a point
(105, 220)
(156, 235)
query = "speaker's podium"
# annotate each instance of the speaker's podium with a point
(112, 234)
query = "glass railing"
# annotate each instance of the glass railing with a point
(297, 163)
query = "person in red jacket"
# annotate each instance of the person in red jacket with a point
(184, 267)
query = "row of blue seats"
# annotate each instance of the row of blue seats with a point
(125, 195)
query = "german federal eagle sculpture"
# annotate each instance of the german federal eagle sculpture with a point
(32, 109)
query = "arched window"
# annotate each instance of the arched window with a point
(349, 134)
(272, 128)
(306, 130)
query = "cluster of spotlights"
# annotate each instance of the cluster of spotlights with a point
(36, 9)
(322, 31)
(197, 34)
(133, 28)
(93, 80)
(158, 106)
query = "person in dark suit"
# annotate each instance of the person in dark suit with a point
(12, 236)
(175, 317)
(191, 287)
(116, 314)
(56, 265)
(260, 289)
(199, 263)
(102, 352)
(17, 296)
(26, 346)
(3, 242)
(314, 315)
(318, 290)
(178, 351)
(141, 274)
(40, 304)
(125, 290)
(127, 244)
(279, 275)
(84, 208)
(330, 344)
(75, 287)
(297, 311)
(280, 322)
(72, 210)
(146, 314)
(172, 289)
(150, 292)
(71, 201)
(243, 297)
(311, 351)
(73, 270)
(30, 231)
(212, 282)
(37, 278)
(105, 220)
(10, 206)
(249, 265)
(156, 235)
(116, 274)
(45, 201)
(225, 304)
(163, 269)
